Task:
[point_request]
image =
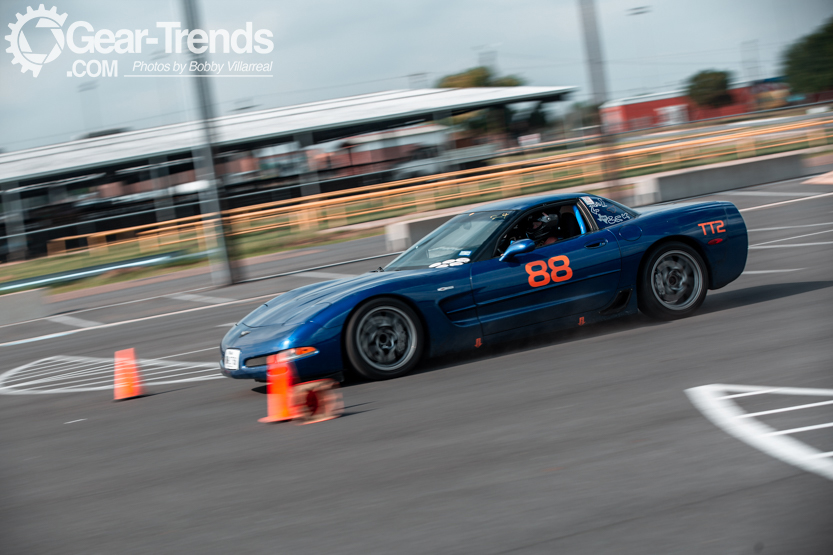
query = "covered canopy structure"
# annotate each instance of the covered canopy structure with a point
(124, 177)
(316, 121)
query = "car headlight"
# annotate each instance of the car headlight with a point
(289, 356)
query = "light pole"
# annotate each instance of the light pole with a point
(222, 272)
(598, 81)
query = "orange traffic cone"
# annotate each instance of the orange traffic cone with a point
(316, 401)
(127, 380)
(280, 378)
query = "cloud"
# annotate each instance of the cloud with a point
(331, 48)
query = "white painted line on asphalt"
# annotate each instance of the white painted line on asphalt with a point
(802, 429)
(724, 413)
(40, 338)
(795, 237)
(810, 392)
(102, 307)
(750, 393)
(766, 194)
(70, 374)
(199, 298)
(763, 206)
(121, 303)
(230, 325)
(74, 421)
(73, 322)
(325, 275)
(791, 246)
(215, 348)
(823, 455)
(755, 272)
(133, 321)
(786, 409)
(786, 227)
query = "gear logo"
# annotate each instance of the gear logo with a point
(20, 49)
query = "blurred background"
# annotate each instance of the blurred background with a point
(369, 111)
(135, 190)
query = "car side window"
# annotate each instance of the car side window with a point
(545, 226)
(606, 212)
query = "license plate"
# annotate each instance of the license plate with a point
(232, 360)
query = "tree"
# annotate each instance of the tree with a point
(710, 89)
(477, 77)
(808, 63)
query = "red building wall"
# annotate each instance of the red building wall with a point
(639, 115)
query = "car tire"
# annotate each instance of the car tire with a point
(673, 282)
(384, 339)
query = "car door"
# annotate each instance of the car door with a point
(572, 276)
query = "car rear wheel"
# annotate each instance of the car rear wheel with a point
(384, 339)
(673, 282)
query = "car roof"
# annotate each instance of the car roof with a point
(522, 203)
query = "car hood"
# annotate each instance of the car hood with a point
(303, 304)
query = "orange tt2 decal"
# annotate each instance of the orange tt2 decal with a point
(717, 224)
(555, 269)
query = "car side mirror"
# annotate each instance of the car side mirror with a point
(516, 248)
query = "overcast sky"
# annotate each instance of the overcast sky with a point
(333, 48)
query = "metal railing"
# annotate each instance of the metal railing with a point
(337, 209)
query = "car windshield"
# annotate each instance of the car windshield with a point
(453, 243)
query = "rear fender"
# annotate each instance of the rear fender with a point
(715, 230)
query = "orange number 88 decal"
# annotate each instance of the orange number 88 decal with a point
(555, 269)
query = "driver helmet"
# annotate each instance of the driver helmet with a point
(541, 227)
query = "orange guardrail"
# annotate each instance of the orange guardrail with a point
(335, 209)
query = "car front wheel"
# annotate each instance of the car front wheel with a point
(673, 282)
(384, 339)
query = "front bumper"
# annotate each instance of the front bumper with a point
(259, 342)
(303, 375)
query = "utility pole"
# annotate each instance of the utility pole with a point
(222, 272)
(593, 46)
(598, 81)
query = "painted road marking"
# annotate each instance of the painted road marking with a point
(796, 237)
(716, 403)
(786, 409)
(73, 322)
(791, 246)
(102, 307)
(766, 194)
(229, 325)
(325, 275)
(786, 227)
(74, 421)
(70, 374)
(199, 298)
(133, 321)
(784, 202)
(755, 272)
(215, 348)
(803, 429)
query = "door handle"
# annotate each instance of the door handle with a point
(596, 245)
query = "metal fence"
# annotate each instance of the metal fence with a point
(337, 209)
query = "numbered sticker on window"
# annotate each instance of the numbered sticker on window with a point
(554, 270)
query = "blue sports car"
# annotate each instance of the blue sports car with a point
(511, 268)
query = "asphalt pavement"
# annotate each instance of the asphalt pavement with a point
(579, 442)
